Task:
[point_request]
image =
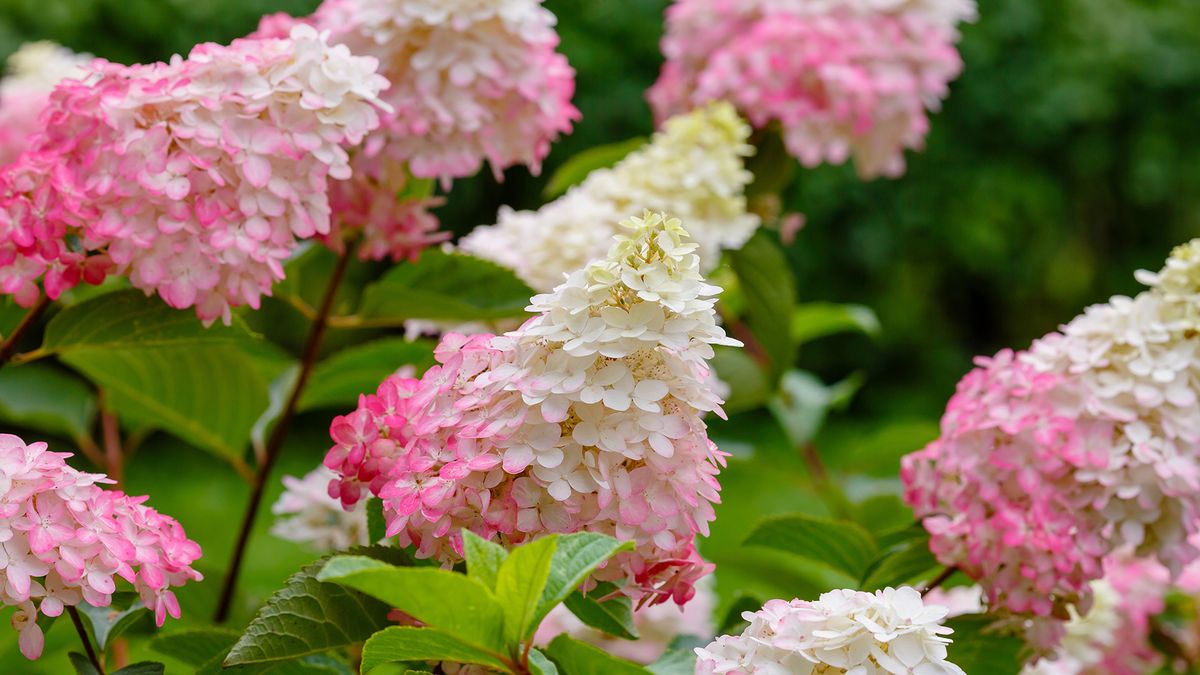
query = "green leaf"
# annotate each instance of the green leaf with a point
(82, 665)
(376, 525)
(108, 624)
(579, 658)
(577, 556)
(484, 558)
(978, 648)
(613, 616)
(575, 170)
(519, 585)
(339, 380)
(446, 286)
(902, 563)
(406, 643)
(540, 665)
(49, 399)
(126, 319)
(454, 603)
(141, 668)
(839, 544)
(674, 662)
(733, 620)
(814, 320)
(748, 384)
(770, 296)
(204, 650)
(307, 616)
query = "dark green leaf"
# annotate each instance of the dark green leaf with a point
(376, 525)
(454, 603)
(127, 319)
(577, 556)
(449, 286)
(904, 562)
(339, 380)
(406, 643)
(484, 558)
(579, 658)
(108, 624)
(733, 620)
(841, 545)
(82, 665)
(770, 296)
(519, 585)
(205, 649)
(141, 668)
(42, 397)
(814, 320)
(978, 648)
(576, 169)
(308, 616)
(613, 616)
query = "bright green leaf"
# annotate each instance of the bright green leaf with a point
(484, 558)
(770, 296)
(449, 286)
(128, 319)
(841, 545)
(339, 380)
(674, 662)
(978, 648)
(42, 397)
(579, 658)
(519, 585)
(540, 665)
(454, 603)
(576, 169)
(613, 616)
(376, 524)
(308, 616)
(578, 555)
(406, 643)
(814, 320)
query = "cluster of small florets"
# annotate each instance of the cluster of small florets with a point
(1051, 460)
(64, 540)
(693, 169)
(306, 514)
(194, 178)
(888, 631)
(589, 417)
(33, 72)
(842, 79)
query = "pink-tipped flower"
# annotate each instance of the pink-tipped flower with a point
(33, 72)
(841, 79)
(1053, 459)
(195, 178)
(65, 541)
(589, 417)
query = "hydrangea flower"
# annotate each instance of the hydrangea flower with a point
(195, 177)
(1053, 459)
(306, 514)
(588, 417)
(64, 541)
(888, 631)
(33, 72)
(841, 78)
(693, 169)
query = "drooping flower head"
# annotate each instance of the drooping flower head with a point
(306, 514)
(1052, 459)
(588, 417)
(888, 631)
(33, 72)
(195, 177)
(841, 78)
(693, 169)
(64, 541)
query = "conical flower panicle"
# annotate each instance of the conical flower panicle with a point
(588, 417)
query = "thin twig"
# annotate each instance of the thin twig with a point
(9, 346)
(938, 580)
(83, 637)
(275, 442)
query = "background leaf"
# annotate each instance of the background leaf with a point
(768, 290)
(580, 658)
(43, 397)
(446, 286)
(840, 544)
(815, 320)
(338, 381)
(407, 643)
(979, 649)
(576, 169)
(107, 624)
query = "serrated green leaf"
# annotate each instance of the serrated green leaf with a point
(815, 320)
(406, 643)
(577, 556)
(107, 624)
(519, 585)
(613, 616)
(127, 319)
(576, 169)
(46, 398)
(579, 658)
(900, 564)
(484, 558)
(376, 524)
(839, 544)
(308, 616)
(454, 603)
(674, 662)
(540, 665)
(769, 292)
(205, 649)
(449, 286)
(978, 648)
(339, 380)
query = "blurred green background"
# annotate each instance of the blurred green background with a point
(1064, 159)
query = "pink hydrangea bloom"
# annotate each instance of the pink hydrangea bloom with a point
(195, 178)
(64, 540)
(1053, 459)
(588, 417)
(33, 72)
(841, 79)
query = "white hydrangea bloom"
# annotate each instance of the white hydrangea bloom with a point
(889, 631)
(306, 514)
(692, 169)
(1088, 636)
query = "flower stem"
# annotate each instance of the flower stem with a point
(274, 443)
(938, 580)
(9, 346)
(83, 637)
